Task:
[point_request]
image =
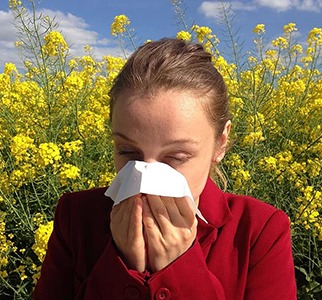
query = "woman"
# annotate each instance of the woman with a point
(169, 105)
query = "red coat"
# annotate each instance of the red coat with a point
(243, 253)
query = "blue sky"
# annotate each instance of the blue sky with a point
(88, 22)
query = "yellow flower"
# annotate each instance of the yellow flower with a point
(91, 123)
(88, 48)
(42, 235)
(3, 274)
(289, 28)
(21, 270)
(38, 219)
(205, 36)
(280, 42)
(74, 83)
(72, 147)
(240, 176)
(313, 217)
(252, 59)
(68, 172)
(18, 44)
(49, 154)
(87, 60)
(120, 24)
(106, 179)
(73, 64)
(22, 148)
(22, 175)
(14, 3)
(10, 69)
(253, 138)
(5, 245)
(315, 37)
(113, 66)
(270, 54)
(259, 28)
(269, 163)
(314, 167)
(296, 49)
(55, 44)
(184, 35)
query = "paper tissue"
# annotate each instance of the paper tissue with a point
(150, 178)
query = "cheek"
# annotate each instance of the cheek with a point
(197, 186)
(199, 171)
(119, 162)
(197, 178)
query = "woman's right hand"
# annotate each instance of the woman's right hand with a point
(127, 231)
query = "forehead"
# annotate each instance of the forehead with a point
(170, 114)
(175, 102)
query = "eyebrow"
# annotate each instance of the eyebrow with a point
(170, 142)
(116, 133)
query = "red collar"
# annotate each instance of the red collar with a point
(213, 205)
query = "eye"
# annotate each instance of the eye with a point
(129, 153)
(177, 158)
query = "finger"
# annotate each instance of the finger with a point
(165, 213)
(185, 210)
(149, 221)
(173, 211)
(126, 210)
(135, 224)
(117, 210)
(116, 224)
(123, 210)
(157, 207)
(121, 216)
(159, 212)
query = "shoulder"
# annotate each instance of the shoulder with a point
(249, 208)
(241, 215)
(254, 218)
(86, 199)
(221, 208)
(83, 207)
(81, 227)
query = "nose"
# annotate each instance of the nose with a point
(150, 160)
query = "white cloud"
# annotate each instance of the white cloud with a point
(211, 9)
(279, 5)
(310, 5)
(8, 51)
(7, 27)
(238, 5)
(284, 5)
(75, 30)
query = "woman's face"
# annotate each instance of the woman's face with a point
(171, 128)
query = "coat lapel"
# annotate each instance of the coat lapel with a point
(214, 207)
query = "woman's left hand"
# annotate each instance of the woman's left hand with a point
(170, 228)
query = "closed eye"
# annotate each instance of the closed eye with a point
(176, 159)
(129, 154)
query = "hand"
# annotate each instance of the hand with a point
(170, 228)
(127, 231)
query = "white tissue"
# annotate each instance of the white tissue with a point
(150, 178)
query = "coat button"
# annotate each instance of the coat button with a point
(132, 293)
(163, 294)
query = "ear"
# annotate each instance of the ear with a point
(221, 143)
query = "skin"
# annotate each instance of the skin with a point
(152, 231)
